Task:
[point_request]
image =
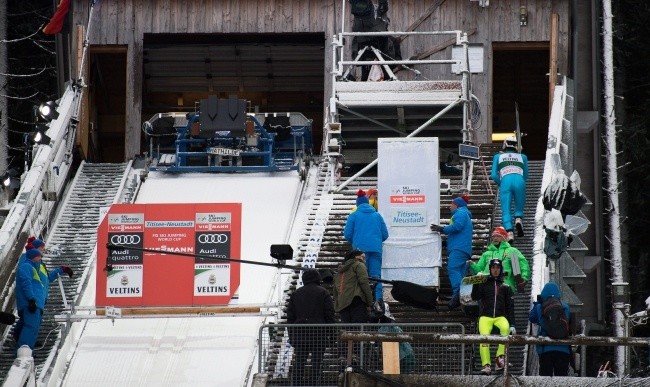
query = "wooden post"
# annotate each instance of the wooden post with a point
(82, 134)
(552, 70)
(390, 357)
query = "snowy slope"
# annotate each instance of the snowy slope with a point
(206, 351)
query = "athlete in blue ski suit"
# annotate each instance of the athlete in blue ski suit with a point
(32, 281)
(366, 230)
(459, 233)
(510, 172)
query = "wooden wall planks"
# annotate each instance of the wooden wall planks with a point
(124, 22)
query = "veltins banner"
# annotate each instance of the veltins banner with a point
(138, 278)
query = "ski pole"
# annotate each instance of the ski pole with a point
(65, 301)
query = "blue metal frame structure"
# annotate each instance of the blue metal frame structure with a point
(259, 151)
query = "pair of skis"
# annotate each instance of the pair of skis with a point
(518, 129)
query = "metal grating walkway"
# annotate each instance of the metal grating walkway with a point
(71, 242)
(525, 245)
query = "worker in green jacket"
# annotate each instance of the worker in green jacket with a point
(515, 265)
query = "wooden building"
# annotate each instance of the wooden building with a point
(164, 55)
(153, 56)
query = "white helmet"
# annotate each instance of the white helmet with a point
(510, 142)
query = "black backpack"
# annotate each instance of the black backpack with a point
(362, 8)
(563, 194)
(555, 322)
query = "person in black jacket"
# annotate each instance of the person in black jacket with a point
(496, 308)
(311, 304)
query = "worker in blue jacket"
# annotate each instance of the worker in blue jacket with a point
(510, 172)
(459, 233)
(32, 280)
(366, 230)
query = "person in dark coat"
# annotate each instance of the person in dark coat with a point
(32, 281)
(311, 304)
(459, 233)
(496, 309)
(554, 360)
(352, 293)
(366, 230)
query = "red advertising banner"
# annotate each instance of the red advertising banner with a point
(135, 278)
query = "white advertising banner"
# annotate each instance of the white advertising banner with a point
(409, 201)
(211, 279)
(124, 281)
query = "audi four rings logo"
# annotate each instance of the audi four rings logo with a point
(125, 239)
(213, 238)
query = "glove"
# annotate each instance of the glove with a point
(521, 283)
(436, 228)
(521, 286)
(513, 331)
(67, 270)
(31, 305)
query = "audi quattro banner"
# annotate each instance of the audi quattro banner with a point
(213, 238)
(156, 278)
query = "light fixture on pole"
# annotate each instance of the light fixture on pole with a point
(38, 136)
(620, 292)
(47, 111)
(523, 16)
(10, 179)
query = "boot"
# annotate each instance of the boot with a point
(454, 303)
(520, 227)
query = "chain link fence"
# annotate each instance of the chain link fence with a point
(313, 354)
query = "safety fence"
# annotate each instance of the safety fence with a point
(415, 338)
(314, 354)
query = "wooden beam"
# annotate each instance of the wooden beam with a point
(552, 71)
(83, 132)
(439, 47)
(112, 49)
(183, 310)
(390, 357)
(421, 19)
(519, 46)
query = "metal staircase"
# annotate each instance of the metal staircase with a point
(323, 243)
(71, 242)
(525, 245)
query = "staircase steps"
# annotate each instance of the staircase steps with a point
(525, 245)
(333, 247)
(71, 242)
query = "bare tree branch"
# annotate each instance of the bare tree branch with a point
(26, 75)
(24, 38)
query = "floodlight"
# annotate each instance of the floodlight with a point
(10, 179)
(38, 136)
(282, 253)
(47, 111)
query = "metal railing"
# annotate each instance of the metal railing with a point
(313, 354)
(559, 156)
(509, 340)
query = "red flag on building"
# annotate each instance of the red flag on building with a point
(56, 23)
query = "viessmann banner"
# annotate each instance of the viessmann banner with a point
(142, 278)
